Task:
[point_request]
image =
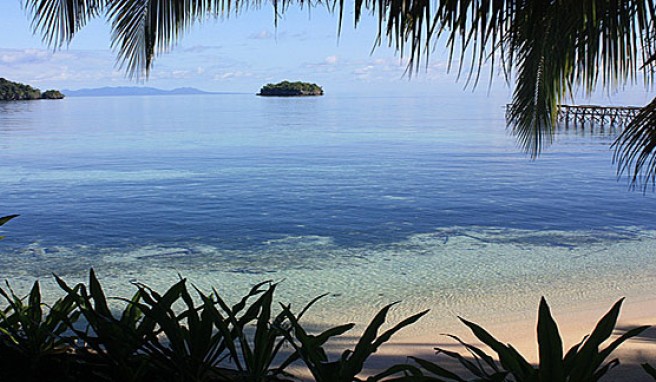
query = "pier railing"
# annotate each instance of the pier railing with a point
(593, 115)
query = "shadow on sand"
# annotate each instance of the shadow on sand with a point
(632, 354)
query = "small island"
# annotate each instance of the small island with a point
(14, 91)
(291, 89)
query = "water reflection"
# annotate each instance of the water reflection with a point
(15, 115)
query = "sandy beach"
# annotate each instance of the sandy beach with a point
(574, 323)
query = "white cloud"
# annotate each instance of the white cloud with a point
(205, 67)
(64, 69)
(22, 57)
(74, 69)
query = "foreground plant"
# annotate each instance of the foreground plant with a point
(584, 362)
(189, 344)
(259, 348)
(210, 340)
(31, 335)
(4, 220)
(311, 348)
(176, 336)
(111, 340)
(187, 335)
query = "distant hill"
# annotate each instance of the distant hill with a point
(15, 91)
(130, 91)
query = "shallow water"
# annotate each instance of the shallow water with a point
(372, 200)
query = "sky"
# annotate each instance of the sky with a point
(238, 54)
(244, 52)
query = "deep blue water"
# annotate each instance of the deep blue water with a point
(243, 173)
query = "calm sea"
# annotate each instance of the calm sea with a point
(372, 199)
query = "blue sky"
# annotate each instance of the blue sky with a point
(242, 53)
(236, 54)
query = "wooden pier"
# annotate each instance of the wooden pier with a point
(578, 116)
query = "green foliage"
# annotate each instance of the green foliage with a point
(350, 364)
(286, 88)
(14, 91)
(257, 348)
(52, 94)
(28, 335)
(175, 337)
(583, 362)
(113, 344)
(4, 220)
(185, 335)
(7, 218)
(187, 345)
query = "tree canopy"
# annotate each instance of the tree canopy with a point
(546, 49)
(286, 88)
(14, 91)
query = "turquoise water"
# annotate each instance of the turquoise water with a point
(370, 199)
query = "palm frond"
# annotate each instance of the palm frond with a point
(635, 149)
(58, 20)
(547, 48)
(141, 29)
(481, 29)
(553, 46)
(537, 89)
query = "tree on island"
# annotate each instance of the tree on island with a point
(14, 91)
(546, 49)
(291, 89)
(52, 94)
(10, 91)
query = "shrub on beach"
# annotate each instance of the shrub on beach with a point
(185, 334)
(182, 334)
(584, 362)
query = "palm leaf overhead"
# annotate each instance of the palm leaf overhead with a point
(635, 148)
(545, 48)
(58, 20)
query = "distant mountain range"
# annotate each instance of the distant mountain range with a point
(131, 91)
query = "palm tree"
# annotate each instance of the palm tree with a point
(546, 49)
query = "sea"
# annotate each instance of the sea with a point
(425, 200)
